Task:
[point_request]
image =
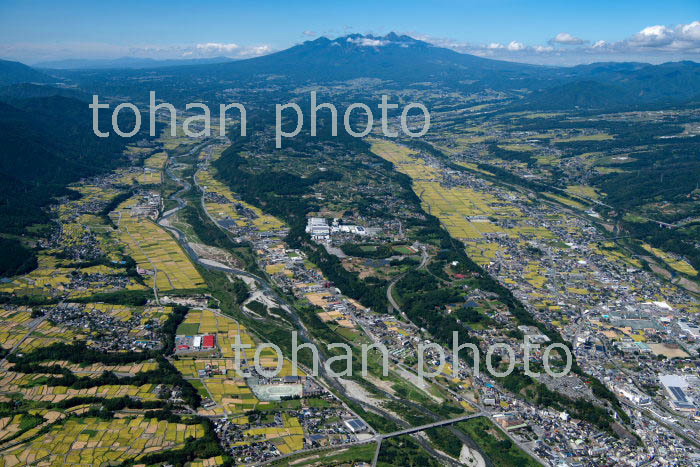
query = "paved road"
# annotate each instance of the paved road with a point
(263, 285)
(182, 237)
(390, 289)
(304, 333)
(428, 426)
(417, 429)
(378, 438)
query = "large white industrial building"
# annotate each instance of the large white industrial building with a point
(318, 228)
(675, 386)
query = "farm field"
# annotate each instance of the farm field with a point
(46, 334)
(89, 194)
(227, 386)
(141, 176)
(211, 462)
(473, 216)
(287, 439)
(58, 393)
(99, 368)
(223, 206)
(155, 250)
(592, 137)
(88, 257)
(126, 312)
(14, 326)
(11, 427)
(46, 280)
(156, 161)
(679, 265)
(92, 441)
(17, 322)
(51, 279)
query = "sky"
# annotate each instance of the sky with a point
(546, 31)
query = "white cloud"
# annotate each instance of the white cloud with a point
(217, 47)
(656, 44)
(310, 33)
(34, 52)
(690, 31)
(367, 42)
(682, 37)
(652, 36)
(255, 51)
(515, 46)
(566, 39)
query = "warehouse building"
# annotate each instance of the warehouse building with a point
(318, 228)
(675, 387)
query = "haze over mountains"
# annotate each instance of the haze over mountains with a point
(52, 102)
(400, 61)
(125, 62)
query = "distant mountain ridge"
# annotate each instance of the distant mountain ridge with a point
(605, 85)
(126, 62)
(401, 61)
(16, 72)
(29, 90)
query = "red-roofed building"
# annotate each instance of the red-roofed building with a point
(209, 341)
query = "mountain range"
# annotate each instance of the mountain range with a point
(398, 60)
(402, 59)
(125, 62)
(15, 72)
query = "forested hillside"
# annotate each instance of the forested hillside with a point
(47, 143)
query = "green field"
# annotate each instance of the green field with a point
(338, 456)
(188, 329)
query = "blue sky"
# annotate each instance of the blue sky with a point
(524, 30)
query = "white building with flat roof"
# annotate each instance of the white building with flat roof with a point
(318, 228)
(197, 342)
(675, 386)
